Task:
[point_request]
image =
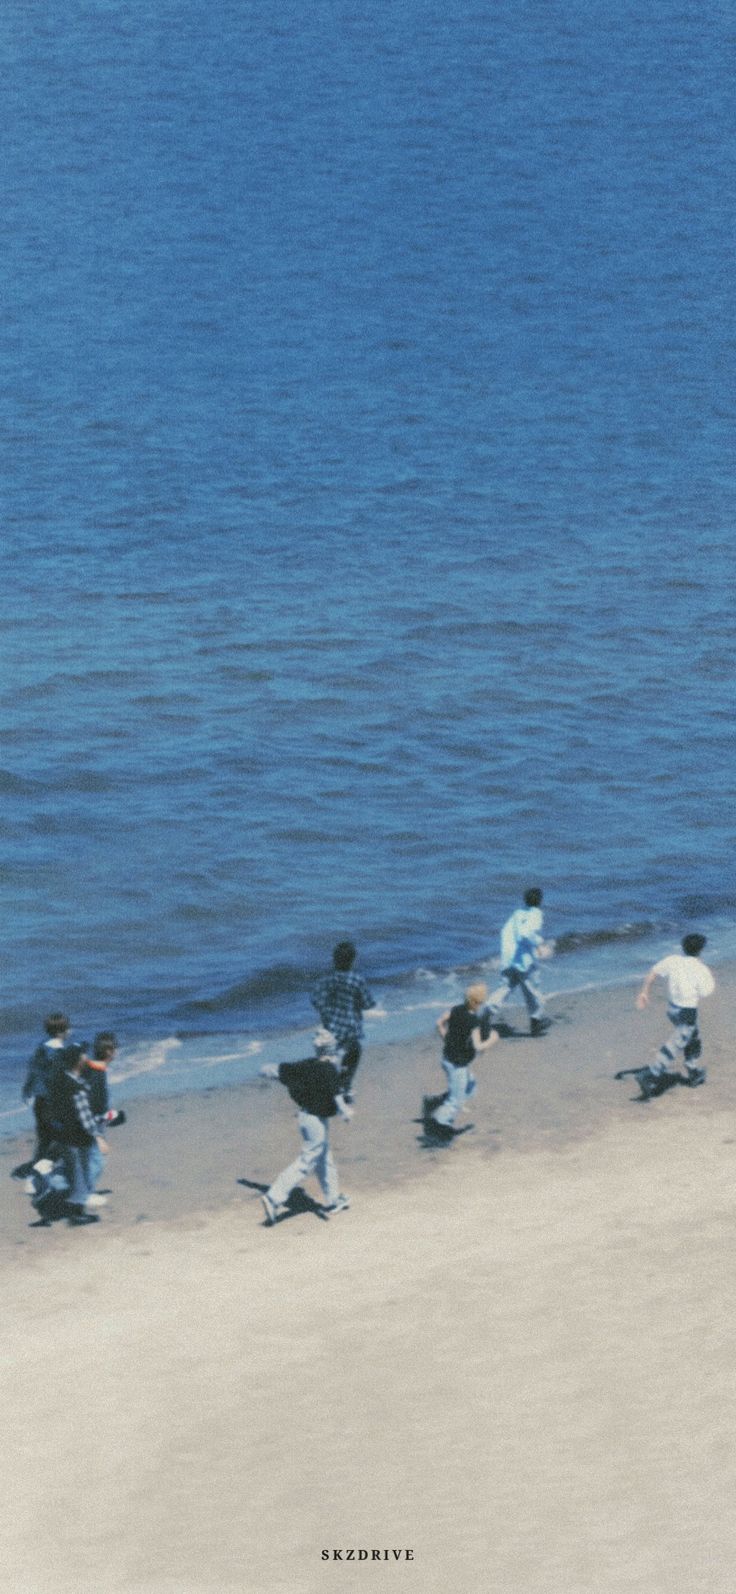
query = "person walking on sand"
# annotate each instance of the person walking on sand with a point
(522, 947)
(37, 1083)
(341, 998)
(688, 979)
(76, 1130)
(466, 1031)
(95, 1077)
(316, 1086)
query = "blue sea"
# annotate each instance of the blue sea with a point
(367, 405)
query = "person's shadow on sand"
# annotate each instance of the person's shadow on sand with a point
(54, 1210)
(297, 1203)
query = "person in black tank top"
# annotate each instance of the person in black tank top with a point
(465, 1030)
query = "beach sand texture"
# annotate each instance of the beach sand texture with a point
(513, 1358)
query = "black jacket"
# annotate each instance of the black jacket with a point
(70, 1111)
(313, 1084)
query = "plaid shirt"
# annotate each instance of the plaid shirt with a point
(84, 1111)
(340, 999)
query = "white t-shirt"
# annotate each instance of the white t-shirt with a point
(687, 977)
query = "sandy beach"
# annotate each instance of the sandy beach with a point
(511, 1358)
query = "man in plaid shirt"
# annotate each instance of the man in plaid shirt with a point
(76, 1130)
(341, 998)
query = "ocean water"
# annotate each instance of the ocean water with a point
(367, 407)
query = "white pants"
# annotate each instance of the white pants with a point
(462, 1084)
(315, 1157)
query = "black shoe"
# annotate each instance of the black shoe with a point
(695, 1076)
(442, 1133)
(539, 1026)
(650, 1084)
(77, 1220)
(431, 1103)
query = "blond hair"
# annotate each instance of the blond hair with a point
(475, 995)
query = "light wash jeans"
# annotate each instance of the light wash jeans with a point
(461, 1087)
(315, 1157)
(77, 1163)
(686, 1039)
(95, 1166)
(524, 980)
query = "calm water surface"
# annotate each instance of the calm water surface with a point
(367, 399)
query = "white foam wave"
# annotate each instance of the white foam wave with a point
(145, 1060)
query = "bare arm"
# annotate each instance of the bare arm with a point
(642, 999)
(442, 1023)
(481, 1045)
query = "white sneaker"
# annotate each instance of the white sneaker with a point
(340, 1204)
(271, 1208)
(95, 1200)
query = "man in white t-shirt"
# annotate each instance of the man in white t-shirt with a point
(688, 979)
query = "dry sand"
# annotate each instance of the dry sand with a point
(512, 1358)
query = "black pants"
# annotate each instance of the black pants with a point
(46, 1134)
(351, 1055)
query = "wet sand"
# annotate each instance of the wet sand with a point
(511, 1358)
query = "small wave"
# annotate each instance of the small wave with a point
(145, 1060)
(21, 1019)
(575, 941)
(15, 785)
(697, 904)
(206, 1060)
(282, 979)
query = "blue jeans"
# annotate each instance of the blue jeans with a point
(686, 1039)
(315, 1157)
(95, 1165)
(524, 980)
(462, 1085)
(77, 1161)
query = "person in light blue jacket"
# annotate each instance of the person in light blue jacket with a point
(522, 947)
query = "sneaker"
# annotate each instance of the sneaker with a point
(95, 1200)
(539, 1026)
(340, 1204)
(695, 1076)
(270, 1208)
(22, 1171)
(77, 1219)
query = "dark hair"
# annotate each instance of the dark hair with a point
(693, 944)
(344, 956)
(71, 1056)
(104, 1044)
(533, 897)
(56, 1024)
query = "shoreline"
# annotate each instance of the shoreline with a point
(176, 1060)
(511, 1357)
(186, 1154)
